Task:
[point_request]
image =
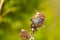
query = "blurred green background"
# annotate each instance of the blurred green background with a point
(21, 11)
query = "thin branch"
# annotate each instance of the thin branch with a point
(7, 11)
(4, 14)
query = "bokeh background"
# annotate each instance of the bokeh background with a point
(16, 14)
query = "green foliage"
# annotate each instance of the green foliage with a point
(19, 17)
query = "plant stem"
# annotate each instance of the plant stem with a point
(1, 4)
